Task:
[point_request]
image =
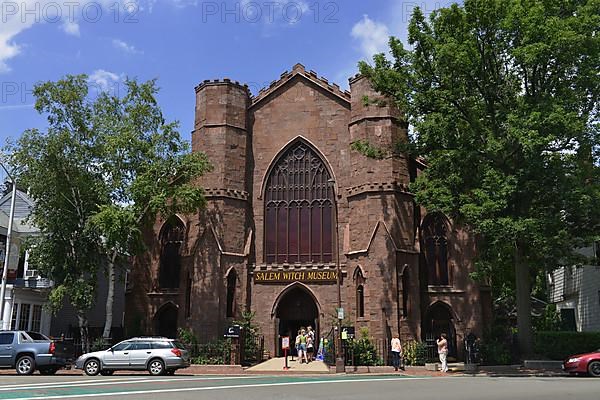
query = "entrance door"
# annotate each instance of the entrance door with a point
(439, 320)
(296, 310)
(166, 321)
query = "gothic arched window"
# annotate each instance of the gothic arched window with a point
(171, 240)
(231, 284)
(299, 215)
(434, 231)
(360, 292)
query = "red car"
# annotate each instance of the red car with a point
(588, 363)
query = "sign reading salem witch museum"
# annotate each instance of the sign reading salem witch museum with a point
(295, 276)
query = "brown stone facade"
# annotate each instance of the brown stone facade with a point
(387, 277)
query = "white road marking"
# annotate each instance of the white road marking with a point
(8, 387)
(197, 389)
(122, 381)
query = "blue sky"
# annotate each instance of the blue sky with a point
(181, 43)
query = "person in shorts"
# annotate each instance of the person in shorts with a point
(302, 349)
(310, 343)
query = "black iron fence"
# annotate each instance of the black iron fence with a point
(246, 350)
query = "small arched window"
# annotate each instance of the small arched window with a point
(434, 233)
(405, 292)
(299, 214)
(360, 301)
(231, 285)
(360, 292)
(171, 241)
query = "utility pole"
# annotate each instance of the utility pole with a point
(339, 356)
(7, 252)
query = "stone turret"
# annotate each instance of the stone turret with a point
(221, 132)
(381, 222)
(378, 122)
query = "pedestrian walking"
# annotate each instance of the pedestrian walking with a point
(297, 344)
(442, 344)
(310, 343)
(396, 351)
(302, 346)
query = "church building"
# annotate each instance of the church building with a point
(297, 222)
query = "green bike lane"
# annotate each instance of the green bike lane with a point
(163, 387)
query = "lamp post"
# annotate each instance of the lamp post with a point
(339, 356)
(7, 252)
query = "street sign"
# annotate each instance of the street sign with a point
(340, 313)
(233, 331)
(285, 342)
(348, 332)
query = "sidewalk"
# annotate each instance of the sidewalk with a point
(274, 366)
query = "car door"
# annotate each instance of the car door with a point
(140, 354)
(7, 348)
(118, 355)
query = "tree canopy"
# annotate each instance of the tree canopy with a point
(503, 99)
(104, 169)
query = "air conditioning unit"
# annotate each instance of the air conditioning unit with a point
(31, 273)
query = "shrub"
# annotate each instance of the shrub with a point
(364, 350)
(495, 352)
(100, 344)
(549, 320)
(415, 353)
(560, 345)
(213, 353)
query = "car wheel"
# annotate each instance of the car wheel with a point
(25, 365)
(156, 367)
(107, 372)
(594, 369)
(91, 367)
(48, 371)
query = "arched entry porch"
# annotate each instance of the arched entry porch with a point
(296, 307)
(165, 320)
(439, 319)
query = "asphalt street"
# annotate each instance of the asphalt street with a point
(246, 387)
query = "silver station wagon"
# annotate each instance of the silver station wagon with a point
(157, 355)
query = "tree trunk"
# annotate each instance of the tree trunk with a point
(525, 330)
(83, 331)
(110, 297)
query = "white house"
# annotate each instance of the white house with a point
(26, 291)
(576, 292)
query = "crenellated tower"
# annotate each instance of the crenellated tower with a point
(382, 213)
(221, 132)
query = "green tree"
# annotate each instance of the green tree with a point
(503, 98)
(110, 164)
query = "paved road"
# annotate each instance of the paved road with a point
(137, 387)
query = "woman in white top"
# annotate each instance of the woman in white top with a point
(396, 351)
(442, 343)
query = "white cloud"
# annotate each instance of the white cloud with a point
(104, 80)
(373, 36)
(124, 46)
(71, 28)
(18, 16)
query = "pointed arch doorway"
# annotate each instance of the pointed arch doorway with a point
(439, 319)
(165, 321)
(295, 308)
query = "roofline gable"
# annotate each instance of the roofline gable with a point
(298, 71)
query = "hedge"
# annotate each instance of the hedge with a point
(560, 345)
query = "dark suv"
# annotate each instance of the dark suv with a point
(29, 351)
